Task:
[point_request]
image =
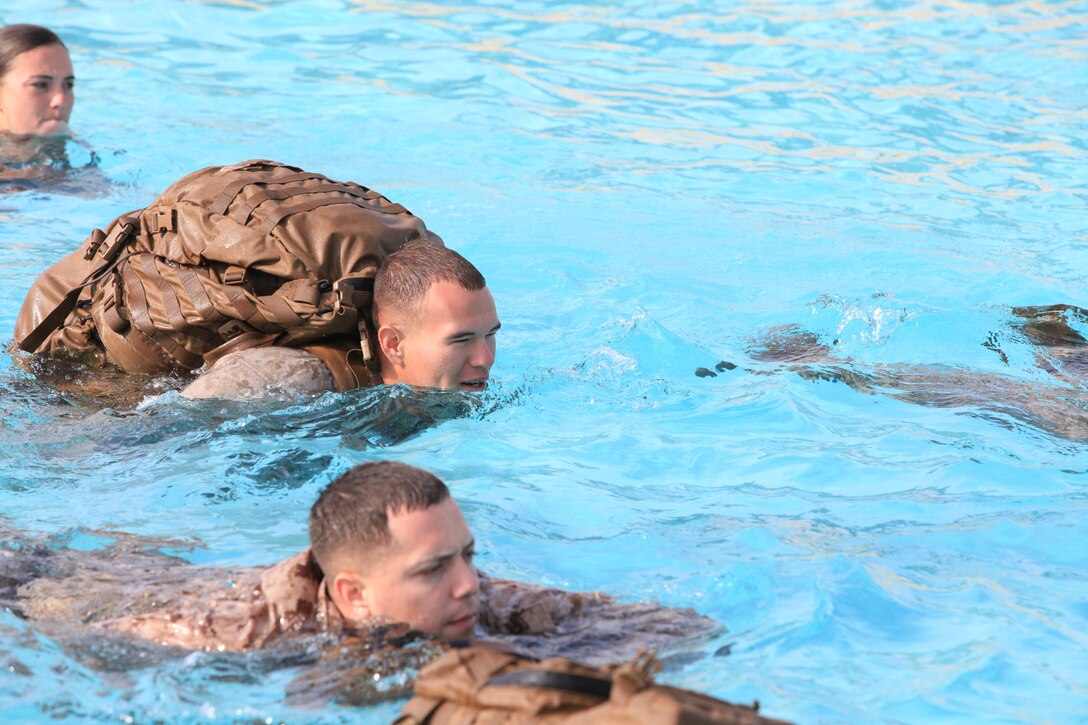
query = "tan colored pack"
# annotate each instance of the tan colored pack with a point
(226, 258)
(486, 686)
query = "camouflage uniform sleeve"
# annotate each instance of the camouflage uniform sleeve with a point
(243, 618)
(291, 592)
(510, 607)
(588, 627)
(214, 624)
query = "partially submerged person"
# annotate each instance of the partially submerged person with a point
(389, 545)
(37, 83)
(1053, 332)
(436, 325)
(1062, 349)
(391, 555)
(37, 93)
(260, 254)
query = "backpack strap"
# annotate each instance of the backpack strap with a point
(272, 221)
(247, 311)
(245, 211)
(190, 281)
(224, 198)
(54, 319)
(140, 313)
(243, 341)
(344, 360)
(357, 291)
(546, 679)
(171, 306)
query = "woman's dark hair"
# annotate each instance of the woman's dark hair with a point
(18, 39)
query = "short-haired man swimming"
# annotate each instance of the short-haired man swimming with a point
(436, 324)
(436, 319)
(393, 544)
(389, 547)
(388, 544)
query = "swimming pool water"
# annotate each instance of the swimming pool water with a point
(650, 188)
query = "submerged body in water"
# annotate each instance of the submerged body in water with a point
(125, 409)
(129, 593)
(1060, 349)
(43, 163)
(28, 161)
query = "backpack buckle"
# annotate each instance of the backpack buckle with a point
(235, 275)
(109, 244)
(110, 247)
(162, 221)
(355, 292)
(97, 237)
(233, 328)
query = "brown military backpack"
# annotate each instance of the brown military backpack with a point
(486, 686)
(259, 253)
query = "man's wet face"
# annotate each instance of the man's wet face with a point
(451, 342)
(425, 577)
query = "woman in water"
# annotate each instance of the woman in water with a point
(36, 99)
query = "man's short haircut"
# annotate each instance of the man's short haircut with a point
(21, 37)
(352, 513)
(408, 273)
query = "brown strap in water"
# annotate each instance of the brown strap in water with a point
(112, 314)
(136, 301)
(140, 315)
(545, 679)
(171, 306)
(53, 320)
(190, 282)
(281, 311)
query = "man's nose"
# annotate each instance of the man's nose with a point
(483, 354)
(466, 582)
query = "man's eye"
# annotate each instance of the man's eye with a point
(40, 85)
(470, 554)
(69, 85)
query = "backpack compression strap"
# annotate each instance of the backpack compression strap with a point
(545, 679)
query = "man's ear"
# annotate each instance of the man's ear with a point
(349, 595)
(390, 339)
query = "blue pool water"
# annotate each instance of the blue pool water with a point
(650, 188)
